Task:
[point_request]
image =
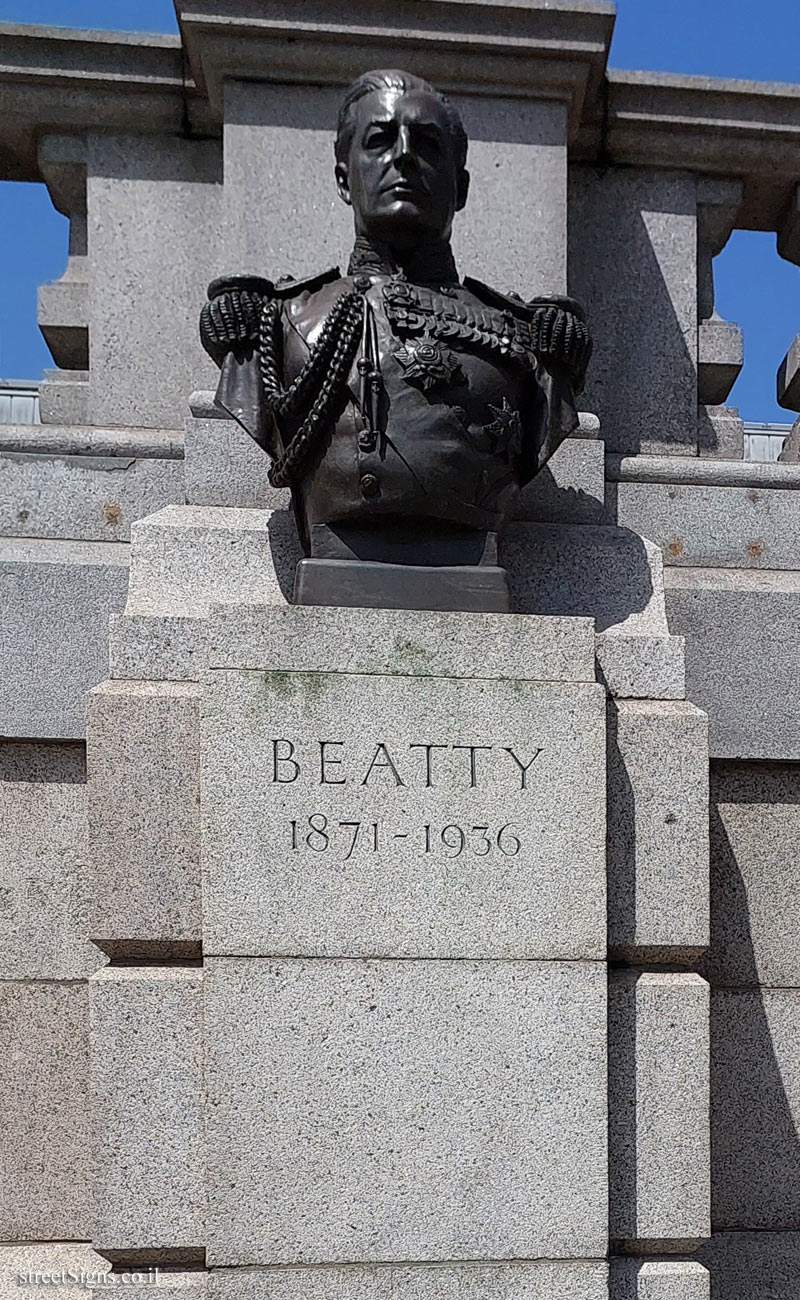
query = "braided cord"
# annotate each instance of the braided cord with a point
(325, 373)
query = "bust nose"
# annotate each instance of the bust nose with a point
(403, 152)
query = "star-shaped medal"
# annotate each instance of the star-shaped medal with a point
(505, 429)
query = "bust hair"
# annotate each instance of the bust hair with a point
(392, 79)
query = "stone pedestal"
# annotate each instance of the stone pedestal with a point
(404, 934)
(351, 867)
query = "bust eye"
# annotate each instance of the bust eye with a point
(377, 138)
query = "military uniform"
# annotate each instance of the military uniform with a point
(397, 404)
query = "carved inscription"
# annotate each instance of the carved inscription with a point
(419, 765)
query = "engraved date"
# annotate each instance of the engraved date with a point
(321, 835)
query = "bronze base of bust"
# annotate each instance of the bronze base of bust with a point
(370, 584)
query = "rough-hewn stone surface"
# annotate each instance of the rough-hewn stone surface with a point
(147, 1162)
(658, 891)
(45, 1165)
(381, 1111)
(144, 814)
(485, 799)
(659, 1110)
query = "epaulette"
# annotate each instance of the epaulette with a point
(289, 288)
(513, 303)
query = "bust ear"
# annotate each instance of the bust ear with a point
(462, 188)
(343, 183)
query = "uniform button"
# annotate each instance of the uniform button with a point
(363, 283)
(370, 486)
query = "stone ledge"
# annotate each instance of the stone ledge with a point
(687, 471)
(325, 639)
(539, 1280)
(89, 440)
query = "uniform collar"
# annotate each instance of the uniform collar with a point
(431, 264)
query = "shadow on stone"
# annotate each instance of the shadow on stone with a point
(755, 1148)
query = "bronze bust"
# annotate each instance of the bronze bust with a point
(404, 407)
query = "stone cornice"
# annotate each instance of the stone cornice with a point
(58, 79)
(715, 126)
(542, 49)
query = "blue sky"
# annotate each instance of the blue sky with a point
(724, 38)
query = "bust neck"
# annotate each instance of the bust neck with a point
(426, 264)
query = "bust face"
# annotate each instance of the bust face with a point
(402, 176)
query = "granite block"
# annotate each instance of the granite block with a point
(45, 1165)
(720, 432)
(754, 1265)
(570, 489)
(43, 905)
(609, 574)
(742, 657)
(225, 467)
(658, 878)
(157, 647)
(57, 597)
(755, 1115)
(382, 1111)
(62, 310)
(755, 875)
(398, 642)
(641, 667)
(187, 558)
(539, 1280)
(720, 357)
(39, 1270)
(144, 816)
(90, 498)
(788, 380)
(515, 143)
(148, 1168)
(350, 815)
(658, 1279)
(746, 527)
(659, 1111)
(64, 397)
(154, 207)
(633, 266)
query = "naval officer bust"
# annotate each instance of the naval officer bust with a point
(404, 406)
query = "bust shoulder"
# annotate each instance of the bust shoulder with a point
(518, 306)
(288, 287)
